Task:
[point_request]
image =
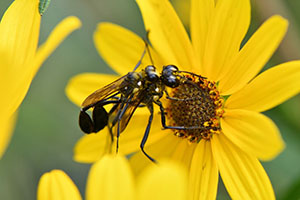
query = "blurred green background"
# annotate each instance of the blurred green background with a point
(47, 126)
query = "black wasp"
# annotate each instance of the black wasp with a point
(126, 94)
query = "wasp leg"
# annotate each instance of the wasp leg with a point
(124, 105)
(118, 125)
(110, 127)
(177, 99)
(117, 120)
(193, 74)
(146, 134)
(163, 120)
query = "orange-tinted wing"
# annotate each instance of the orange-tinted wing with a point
(104, 92)
(132, 105)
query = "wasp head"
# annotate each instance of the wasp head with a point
(170, 76)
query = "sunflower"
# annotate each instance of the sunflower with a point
(20, 58)
(228, 106)
(111, 178)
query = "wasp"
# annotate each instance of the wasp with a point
(136, 89)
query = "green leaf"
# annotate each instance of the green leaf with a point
(43, 5)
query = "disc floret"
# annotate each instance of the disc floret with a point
(197, 106)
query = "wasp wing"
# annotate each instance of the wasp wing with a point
(131, 105)
(104, 92)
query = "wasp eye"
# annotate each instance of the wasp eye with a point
(150, 68)
(169, 76)
(170, 68)
(172, 81)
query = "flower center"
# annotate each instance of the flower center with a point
(197, 106)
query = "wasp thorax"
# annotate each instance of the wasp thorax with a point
(197, 106)
(151, 73)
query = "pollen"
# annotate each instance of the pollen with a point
(197, 106)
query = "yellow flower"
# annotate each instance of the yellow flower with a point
(111, 179)
(20, 58)
(237, 135)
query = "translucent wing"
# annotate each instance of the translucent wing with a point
(131, 107)
(104, 92)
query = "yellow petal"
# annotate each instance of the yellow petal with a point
(269, 89)
(90, 148)
(19, 77)
(61, 31)
(7, 124)
(183, 152)
(82, 85)
(242, 174)
(204, 175)
(165, 181)
(159, 150)
(19, 32)
(253, 132)
(132, 136)
(56, 185)
(254, 55)
(167, 33)
(228, 27)
(120, 48)
(201, 15)
(15, 86)
(110, 179)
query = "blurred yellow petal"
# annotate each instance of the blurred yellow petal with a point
(20, 79)
(167, 34)
(7, 124)
(227, 29)
(184, 152)
(201, 15)
(269, 89)
(110, 179)
(60, 32)
(242, 174)
(19, 32)
(165, 181)
(119, 47)
(204, 175)
(253, 132)
(56, 185)
(90, 148)
(131, 138)
(11, 86)
(161, 149)
(254, 55)
(82, 85)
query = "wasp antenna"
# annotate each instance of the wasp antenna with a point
(146, 39)
(147, 42)
(192, 74)
(140, 61)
